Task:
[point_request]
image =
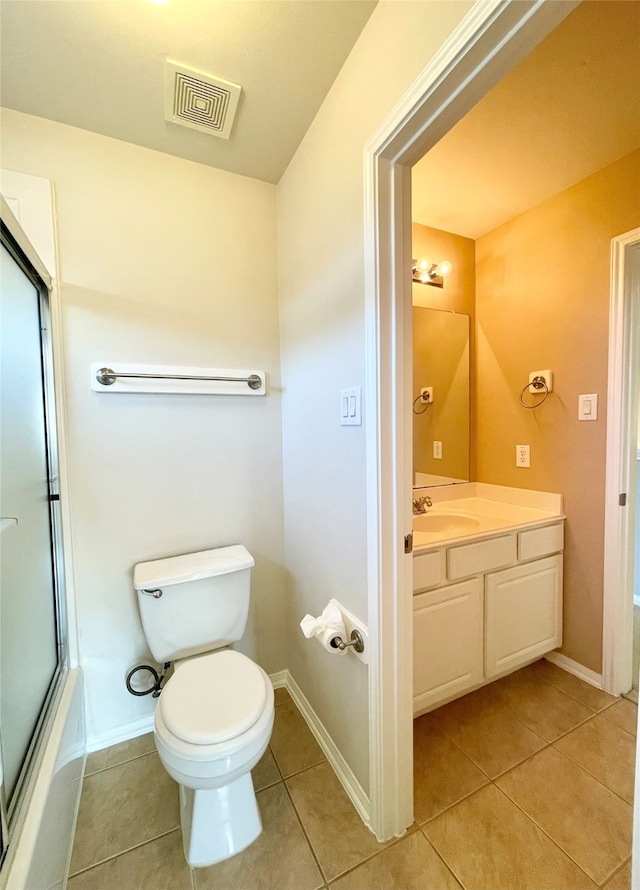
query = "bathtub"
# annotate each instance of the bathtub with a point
(40, 850)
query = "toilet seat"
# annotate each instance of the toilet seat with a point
(202, 765)
(214, 698)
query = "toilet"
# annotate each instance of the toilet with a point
(214, 717)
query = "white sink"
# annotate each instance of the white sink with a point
(445, 522)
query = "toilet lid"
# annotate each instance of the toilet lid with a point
(213, 698)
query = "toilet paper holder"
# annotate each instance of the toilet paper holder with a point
(357, 641)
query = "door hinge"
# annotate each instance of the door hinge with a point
(622, 499)
(408, 543)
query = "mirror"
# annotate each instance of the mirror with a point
(440, 361)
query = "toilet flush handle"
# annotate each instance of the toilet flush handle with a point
(156, 593)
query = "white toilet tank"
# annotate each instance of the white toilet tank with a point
(194, 603)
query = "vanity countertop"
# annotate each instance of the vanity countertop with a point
(475, 510)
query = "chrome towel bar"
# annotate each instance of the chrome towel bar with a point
(107, 377)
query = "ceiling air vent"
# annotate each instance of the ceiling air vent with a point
(200, 101)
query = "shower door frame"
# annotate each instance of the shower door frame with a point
(23, 253)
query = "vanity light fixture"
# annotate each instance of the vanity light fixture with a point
(425, 272)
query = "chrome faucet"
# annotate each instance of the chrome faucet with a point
(420, 504)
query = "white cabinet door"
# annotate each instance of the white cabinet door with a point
(448, 642)
(523, 614)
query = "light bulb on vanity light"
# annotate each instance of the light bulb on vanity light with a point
(424, 271)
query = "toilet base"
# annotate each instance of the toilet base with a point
(218, 822)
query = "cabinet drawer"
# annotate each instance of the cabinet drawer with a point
(448, 642)
(472, 559)
(428, 569)
(541, 541)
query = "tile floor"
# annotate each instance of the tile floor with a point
(527, 783)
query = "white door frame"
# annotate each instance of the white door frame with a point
(491, 39)
(622, 421)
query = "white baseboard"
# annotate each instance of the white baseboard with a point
(575, 668)
(122, 733)
(347, 779)
(280, 679)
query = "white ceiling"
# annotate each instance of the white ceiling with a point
(99, 65)
(567, 110)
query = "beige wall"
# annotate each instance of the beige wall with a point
(457, 295)
(322, 327)
(542, 301)
(153, 256)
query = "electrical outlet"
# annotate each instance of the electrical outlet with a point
(523, 456)
(437, 450)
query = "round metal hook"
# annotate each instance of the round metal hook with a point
(536, 383)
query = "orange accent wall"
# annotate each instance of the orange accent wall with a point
(542, 301)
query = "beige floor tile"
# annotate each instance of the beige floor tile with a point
(490, 844)
(442, 774)
(292, 743)
(545, 709)
(128, 750)
(492, 737)
(621, 880)
(280, 857)
(123, 807)
(624, 714)
(605, 751)
(589, 822)
(265, 772)
(157, 865)
(583, 692)
(411, 864)
(281, 696)
(336, 832)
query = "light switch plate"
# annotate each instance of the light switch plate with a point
(588, 406)
(351, 406)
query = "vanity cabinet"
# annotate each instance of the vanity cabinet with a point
(523, 614)
(448, 642)
(503, 611)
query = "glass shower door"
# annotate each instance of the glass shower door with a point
(28, 624)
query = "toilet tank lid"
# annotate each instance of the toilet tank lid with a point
(191, 567)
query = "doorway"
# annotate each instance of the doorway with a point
(449, 87)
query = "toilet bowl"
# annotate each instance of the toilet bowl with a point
(212, 725)
(214, 719)
(215, 714)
